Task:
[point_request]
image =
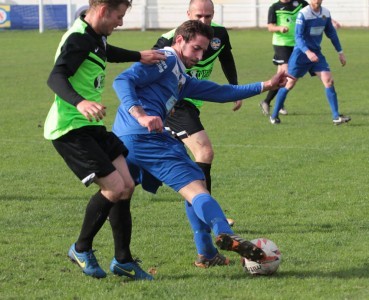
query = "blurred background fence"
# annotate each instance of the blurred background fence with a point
(163, 14)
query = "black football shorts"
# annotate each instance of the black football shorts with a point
(281, 54)
(89, 152)
(184, 120)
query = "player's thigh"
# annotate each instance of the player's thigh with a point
(283, 68)
(113, 187)
(200, 145)
(326, 78)
(121, 165)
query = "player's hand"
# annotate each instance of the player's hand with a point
(237, 105)
(312, 56)
(283, 29)
(91, 110)
(152, 123)
(277, 81)
(342, 58)
(336, 24)
(151, 56)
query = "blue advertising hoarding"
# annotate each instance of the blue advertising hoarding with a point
(27, 16)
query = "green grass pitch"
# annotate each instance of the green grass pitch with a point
(303, 184)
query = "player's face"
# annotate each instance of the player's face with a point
(112, 19)
(316, 4)
(191, 52)
(202, 11)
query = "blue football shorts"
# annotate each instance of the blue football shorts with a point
(299, 64)
(158, 158)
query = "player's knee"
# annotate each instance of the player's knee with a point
(205, 155)
(129, 188)
(290, 84)
(122, 191)
(208, 152)
(327, 81)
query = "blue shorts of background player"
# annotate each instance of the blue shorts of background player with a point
(299, 65)
(312, 22)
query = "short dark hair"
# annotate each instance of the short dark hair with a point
(191, 28)
(110, 3)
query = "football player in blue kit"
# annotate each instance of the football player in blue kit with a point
(312, 21)
(147, 95)
(185, 118)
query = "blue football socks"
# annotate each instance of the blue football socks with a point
(279, 101)
(332, 100)
(209, 211)
(202, 233)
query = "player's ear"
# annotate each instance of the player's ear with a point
(102, 10)
(179, 39)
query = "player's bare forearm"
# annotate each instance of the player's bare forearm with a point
(276, 28)
(137, 112)
(152, 123)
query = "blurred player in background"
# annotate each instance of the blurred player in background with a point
(312, 21)
(281, 21)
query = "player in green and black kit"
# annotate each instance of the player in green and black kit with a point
(185, 119)
(281, 21)
(75, 127)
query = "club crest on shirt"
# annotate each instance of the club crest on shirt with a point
(193, 73)
(99, 82)
(215, 43)
(295, 3)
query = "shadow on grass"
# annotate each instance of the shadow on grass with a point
(26, 198)
(358, 272)
(350, 273)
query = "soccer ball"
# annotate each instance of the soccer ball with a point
(267, 266)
